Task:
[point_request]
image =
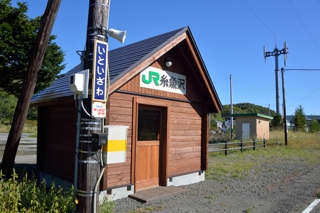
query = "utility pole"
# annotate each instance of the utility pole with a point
(231, 108)
(284, 110)
(89, 166)
(276, 54)
(22, 107)
(284, 101)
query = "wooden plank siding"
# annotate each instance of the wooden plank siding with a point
(120, 113)
(184, 139)
(56, 140)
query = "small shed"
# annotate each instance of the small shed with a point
(175, 108)
(252, 126)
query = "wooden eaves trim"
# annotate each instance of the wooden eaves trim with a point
(128, 76)
(203, 75)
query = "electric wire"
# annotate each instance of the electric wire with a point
(298, 31)
(280, 41)
(270, 31)
(269, 96)
(304, 97)
(258, 17)
(304, 25)
(84, 109)
(221, 80)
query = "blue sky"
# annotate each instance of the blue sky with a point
(230, 35)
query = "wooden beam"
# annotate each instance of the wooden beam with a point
(202, 73)
(204, 138)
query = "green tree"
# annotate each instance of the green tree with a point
(17, 38)
(7, 107)
(277, 122)
(314, 126)
(215, 117)
(245, 108)
(299, 119)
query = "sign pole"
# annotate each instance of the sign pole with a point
(89, 167)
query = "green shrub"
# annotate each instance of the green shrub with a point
(26, 195)
(107, 206)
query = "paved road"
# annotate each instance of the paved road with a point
(27, 149)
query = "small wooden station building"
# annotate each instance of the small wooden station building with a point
(165, 107)
(252, 126)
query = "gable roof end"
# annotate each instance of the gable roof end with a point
(127, 61)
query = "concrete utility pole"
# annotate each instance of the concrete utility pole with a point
(276, 54)
(22, 107)
(284, 110)
(231, 108)
(89, 166)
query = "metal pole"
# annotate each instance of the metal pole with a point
(284, 110)
(231, 108)
(277, 81)
(276, 54)
(77, 154)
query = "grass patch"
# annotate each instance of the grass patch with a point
(228, 167)
(302, 147)
(30, 126)
(303, 140)
(33, 135)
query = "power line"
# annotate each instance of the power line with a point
(304, 25)
(221, 80)
(259, 18)
(269, 95)
(309, 93)
(298, 31)
(302, 70)
(304, 97)
(277, 39)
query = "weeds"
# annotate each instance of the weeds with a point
(249, 210)
(107, 206)
(26, 195)
(210, 197)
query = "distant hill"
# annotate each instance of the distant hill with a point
(245, 108)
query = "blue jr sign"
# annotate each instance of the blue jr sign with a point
(100, 63)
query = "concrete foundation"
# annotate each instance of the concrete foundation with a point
(115, 194)
(125, 191)
(186, 179)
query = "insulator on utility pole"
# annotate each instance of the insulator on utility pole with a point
(276, 54)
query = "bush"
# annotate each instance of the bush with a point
(26, 195)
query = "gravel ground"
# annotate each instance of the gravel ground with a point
(286, 186)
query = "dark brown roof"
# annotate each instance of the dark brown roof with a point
(122, 61)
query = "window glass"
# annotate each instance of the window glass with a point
(148, 124)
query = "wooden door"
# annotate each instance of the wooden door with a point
(148, 147)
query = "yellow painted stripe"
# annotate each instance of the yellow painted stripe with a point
(115, 146)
